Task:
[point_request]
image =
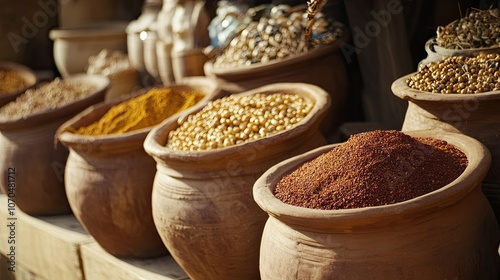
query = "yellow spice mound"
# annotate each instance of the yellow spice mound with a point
(146, 110)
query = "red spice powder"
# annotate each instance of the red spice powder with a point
(370, 169)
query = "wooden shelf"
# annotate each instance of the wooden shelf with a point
(98, 264)
(47, 246)
(59, 248)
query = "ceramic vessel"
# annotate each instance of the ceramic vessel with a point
(188, 63)
(150, 57)
(475, 115)
(450, 233)
(27, 144)
(202, 200)
(74, 46)
(324, 67)
(164, 56)
(144, 22)
(436, 53)
(109, 180)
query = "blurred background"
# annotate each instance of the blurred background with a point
(373, 60)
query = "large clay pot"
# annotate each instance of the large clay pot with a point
(323, 66)
(450, 233)
(202, 200)
(476, 115)
(109, 179)
(27, 145)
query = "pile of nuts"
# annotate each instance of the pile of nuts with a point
(54, 94)
(11, 81)
(479, 29)
(234, 120)
(459, 74)
(279, 35)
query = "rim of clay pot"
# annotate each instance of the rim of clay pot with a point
(403, 91)
(132, 139)
(290, 61)
(25, 72)
(157, 139)
(479, 161)
(432, 45)
(100, 82)
(98, 29)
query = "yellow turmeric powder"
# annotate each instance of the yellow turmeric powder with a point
(143, 111)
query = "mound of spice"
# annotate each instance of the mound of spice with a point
(143, 111)
(371, 169)
(49, 96)
(11, 81)
(233, 120)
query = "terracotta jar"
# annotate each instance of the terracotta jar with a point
(202, 200)
(73, 46)
(476, 115)
(450, 233)
(323, 66)
(109, 179)
(27, 145)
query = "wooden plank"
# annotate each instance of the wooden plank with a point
(100, 265)
(48, 247)
(21, 273)
(5, 274)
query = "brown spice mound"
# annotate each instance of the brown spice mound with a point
(371, 169)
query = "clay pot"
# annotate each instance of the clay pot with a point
(73, 46)
(324, 67)
(109, 179)
(144, 22)
(436, 53)
(26, 73)
(476, 115)
(188, 63)
(164, 56)
(202, 200)
(27, 144)
(450, 233)
(150, 56)
(122, 83)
